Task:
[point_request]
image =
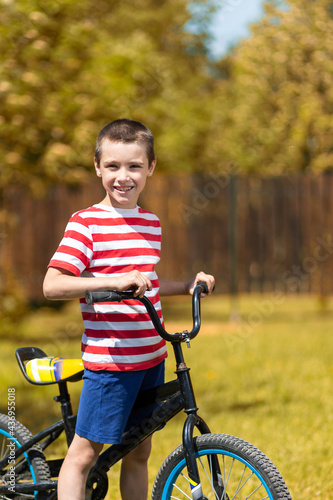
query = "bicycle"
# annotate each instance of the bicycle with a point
(203, 467)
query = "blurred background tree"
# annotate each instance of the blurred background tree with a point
(68, 67)
(273, 98)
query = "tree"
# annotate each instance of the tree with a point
(274, 105)
(67, 67)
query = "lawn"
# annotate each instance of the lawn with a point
(265, 376)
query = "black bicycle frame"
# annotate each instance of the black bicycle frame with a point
(181, 396)
(168, 400)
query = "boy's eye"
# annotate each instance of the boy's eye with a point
(134, 166)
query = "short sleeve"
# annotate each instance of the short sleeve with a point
(76, 248)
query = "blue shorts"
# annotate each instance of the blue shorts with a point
(107, 399)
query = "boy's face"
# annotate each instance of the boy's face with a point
(124, 169)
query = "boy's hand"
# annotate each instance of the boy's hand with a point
(135, 281)
(207, 278)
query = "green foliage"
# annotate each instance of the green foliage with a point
(68, 67)
(273, 111)
(13, 304)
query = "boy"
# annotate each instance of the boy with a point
(114, 245)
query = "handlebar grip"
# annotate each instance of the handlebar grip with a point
(203, 285)
(110, 296)
(114, 296)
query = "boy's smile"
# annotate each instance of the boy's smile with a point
(124, 169)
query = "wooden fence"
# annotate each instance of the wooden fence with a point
(253, 234)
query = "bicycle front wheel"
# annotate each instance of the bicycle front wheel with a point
(30, 468)
(243, 472)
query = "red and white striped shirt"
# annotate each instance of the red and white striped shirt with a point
(105, 241)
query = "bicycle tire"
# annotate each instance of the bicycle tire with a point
(30, 468)
(245, 472)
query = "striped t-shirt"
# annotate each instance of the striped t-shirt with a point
(104, 241)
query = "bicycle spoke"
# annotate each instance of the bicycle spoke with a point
(241, 486)
(214, 492)
(226, 481)
(185, 477)
(225, 486)
(25, 469)
(233, 480)
(209, 477)
(247, 498)
(240, 481)
(182, 491)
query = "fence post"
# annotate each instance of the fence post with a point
(233, 288)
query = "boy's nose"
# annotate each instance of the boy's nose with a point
(123, 175)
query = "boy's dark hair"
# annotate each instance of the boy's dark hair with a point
(126, 131)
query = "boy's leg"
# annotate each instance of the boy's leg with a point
(134, 473)
(81, 456)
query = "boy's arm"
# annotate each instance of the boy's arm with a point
(181, 288)
(60, 284)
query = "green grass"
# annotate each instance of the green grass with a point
(266, 377)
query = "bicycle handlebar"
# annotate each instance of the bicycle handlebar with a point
(113, 296)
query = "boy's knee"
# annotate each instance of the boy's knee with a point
(83, 453)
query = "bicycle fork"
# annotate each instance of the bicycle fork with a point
(193, 420)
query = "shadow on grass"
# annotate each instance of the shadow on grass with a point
(244, 406)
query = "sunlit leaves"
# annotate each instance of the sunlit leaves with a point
(277, 103)
(67, 67)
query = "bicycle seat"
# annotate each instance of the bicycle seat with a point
(40, 369)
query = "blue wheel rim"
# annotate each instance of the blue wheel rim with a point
(9, 436)
(175, 471)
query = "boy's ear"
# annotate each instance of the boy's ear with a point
(152, 167)
(98, 171)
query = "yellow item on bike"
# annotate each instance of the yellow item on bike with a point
(52, 369)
